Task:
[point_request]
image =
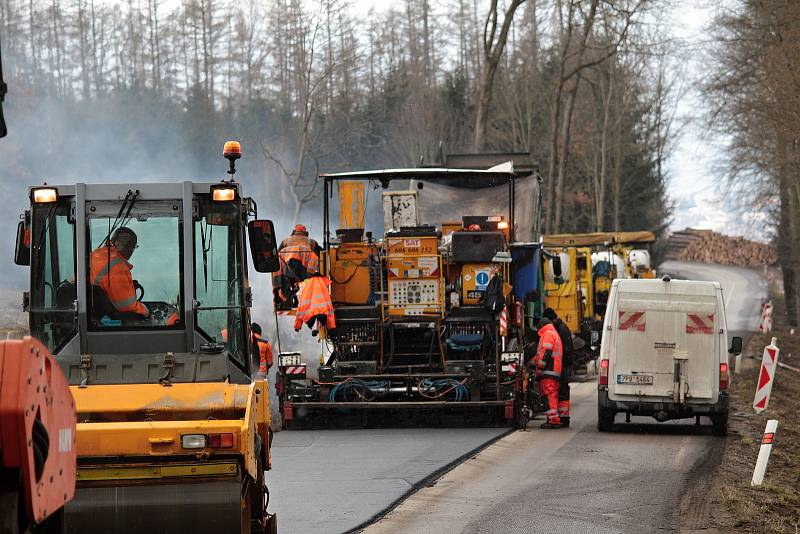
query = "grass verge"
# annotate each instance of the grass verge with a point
(775, 506)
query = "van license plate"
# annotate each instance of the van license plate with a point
(646, 380)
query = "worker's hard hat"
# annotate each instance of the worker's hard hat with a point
(300, 229)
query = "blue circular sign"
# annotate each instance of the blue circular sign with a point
(482, 278)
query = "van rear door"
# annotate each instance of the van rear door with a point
(650, 329)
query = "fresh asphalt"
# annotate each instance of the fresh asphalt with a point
(567, 480)
(330, 481)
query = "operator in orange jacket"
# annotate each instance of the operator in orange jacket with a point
(109, 268)
(263, 348)
(547, 363)
(301, 248)
(299, 259)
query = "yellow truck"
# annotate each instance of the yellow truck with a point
(589, 264)
(173, 429)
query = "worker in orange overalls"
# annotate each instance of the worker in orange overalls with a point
(110, 269)
(299, 258)
(547, 363)
(567, 358)
(263, 348)
(314, 306)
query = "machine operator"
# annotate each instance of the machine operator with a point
(110, 270)
(299, 257)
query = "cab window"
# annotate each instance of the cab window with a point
(134, 266)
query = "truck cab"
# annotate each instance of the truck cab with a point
(664, 352)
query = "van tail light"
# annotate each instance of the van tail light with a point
(603, 372)
(724, 377)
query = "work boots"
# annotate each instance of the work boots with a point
(549, 425)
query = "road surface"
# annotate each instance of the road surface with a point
(329, 481)
(635, 479)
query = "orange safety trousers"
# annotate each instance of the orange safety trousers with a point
(549, 389)
(112, 272)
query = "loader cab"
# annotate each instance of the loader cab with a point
(144, 283)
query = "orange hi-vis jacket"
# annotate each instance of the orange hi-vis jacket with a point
(301, 248)
(549, 340)
(265, 357)
(112, 272)
(314, 299)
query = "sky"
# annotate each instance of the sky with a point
(697, 183)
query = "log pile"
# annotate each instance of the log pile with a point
(706, 246)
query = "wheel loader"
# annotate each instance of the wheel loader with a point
(172, 429)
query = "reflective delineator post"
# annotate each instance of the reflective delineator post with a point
(763, 453)
(766, 376)
(765, 324)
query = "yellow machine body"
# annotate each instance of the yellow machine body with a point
(567, 297)
(149, 419)
(415, 277)
(349, 270)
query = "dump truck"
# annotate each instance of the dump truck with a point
(435, 297)
(578, 288)
(172, 429)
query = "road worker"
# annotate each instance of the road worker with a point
(299, 258)
(566, 364)
(262, 348)
(111, 271)
(547, 364)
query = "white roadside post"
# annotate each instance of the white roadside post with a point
(765, 324)
(766, 376)
(763, 452)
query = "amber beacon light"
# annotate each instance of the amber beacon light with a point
(232, 150)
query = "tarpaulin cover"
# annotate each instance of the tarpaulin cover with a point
(449, 194)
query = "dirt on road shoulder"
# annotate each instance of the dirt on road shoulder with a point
(775, 507)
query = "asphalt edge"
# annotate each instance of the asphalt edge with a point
(429, 480)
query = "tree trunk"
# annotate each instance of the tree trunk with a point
(563, 158)
(786, 256)
(603, 179)
(493, 52)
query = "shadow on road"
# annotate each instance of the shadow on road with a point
(664, 429)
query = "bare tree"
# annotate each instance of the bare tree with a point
(494, 42)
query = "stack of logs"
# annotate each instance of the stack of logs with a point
(711, 247)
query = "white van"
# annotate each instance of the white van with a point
(664, 352)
